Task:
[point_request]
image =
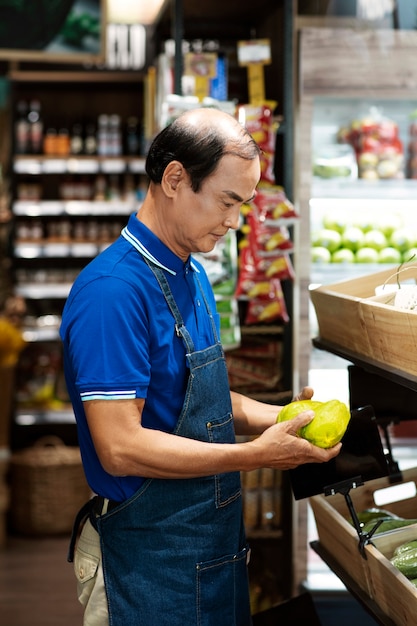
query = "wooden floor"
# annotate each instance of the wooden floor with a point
(37, 585)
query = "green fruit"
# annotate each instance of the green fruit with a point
(374, 514)
(406, 563)
(352, 238)
(374, 239)
(389, 255)
(328, 426)
(320, 255)
(344, 255)
(404, 547)
(402, 240)
(327, 238)
(367, 255)
(388, 523)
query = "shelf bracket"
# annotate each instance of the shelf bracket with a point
(344, 487)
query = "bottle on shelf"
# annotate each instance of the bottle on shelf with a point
(63, 142)
(114, 147)
(22, 128)
(132, 137)
(50, 142)
(76, 140)
(90, 143)
(103, 135)
(35, 127)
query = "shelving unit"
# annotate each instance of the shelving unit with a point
(54, 238)
(44, 266)
(345, 89)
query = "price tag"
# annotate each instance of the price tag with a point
(254, 54)
(203, 67)
(254, 51)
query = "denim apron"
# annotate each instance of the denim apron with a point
(175, 553)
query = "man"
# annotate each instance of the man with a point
(156, 419)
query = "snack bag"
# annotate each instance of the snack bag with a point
(269, 305)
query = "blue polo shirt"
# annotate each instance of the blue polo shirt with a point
(120, 343)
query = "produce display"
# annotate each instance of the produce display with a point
(377, 144)
(386, 520)
(386, 240)
(405, 559)
(328, 425)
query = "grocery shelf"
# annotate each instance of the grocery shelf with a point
(33, 416)
(399, 189)
(58, 250)
(42, 164)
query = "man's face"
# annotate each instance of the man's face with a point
(202, 218)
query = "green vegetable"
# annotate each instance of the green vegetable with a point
(408, 545)
(375, 514)
(406, 563)
(388, 523)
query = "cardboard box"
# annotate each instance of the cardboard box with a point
(375, 575)
(352, 317)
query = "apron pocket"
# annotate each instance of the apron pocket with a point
(227, 486)
(222, 591)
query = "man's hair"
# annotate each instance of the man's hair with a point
(199, 148)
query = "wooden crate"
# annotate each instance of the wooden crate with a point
(339, 537)
(395, 594)
(351, 316)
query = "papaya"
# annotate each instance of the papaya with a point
(328, 426)
(404, 547)
(388, 523)
(373, 515)
(406, 563)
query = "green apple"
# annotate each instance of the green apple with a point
(367, 255)
(402, 239)
(320, 255)
(364, 224)
(375, 239)
(352, 238)
(389, 255)
(332, 222)
(343, 255)
(327, 238)
(409, 255)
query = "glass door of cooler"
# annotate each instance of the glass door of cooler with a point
(363, 204)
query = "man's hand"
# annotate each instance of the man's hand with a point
(283, 449)
(306, 393)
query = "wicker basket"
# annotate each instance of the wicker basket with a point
(48, 487)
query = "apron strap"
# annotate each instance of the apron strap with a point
(180, 328)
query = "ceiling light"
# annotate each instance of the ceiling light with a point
(134, 11)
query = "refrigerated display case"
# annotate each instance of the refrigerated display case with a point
(364, 224)
(346, 73)
(347, 76)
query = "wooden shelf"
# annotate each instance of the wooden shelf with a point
(71, 76)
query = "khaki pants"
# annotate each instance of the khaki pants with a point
(89, 573)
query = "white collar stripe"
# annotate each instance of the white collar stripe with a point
(141, 248)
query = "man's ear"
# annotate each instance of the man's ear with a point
(173, 175)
